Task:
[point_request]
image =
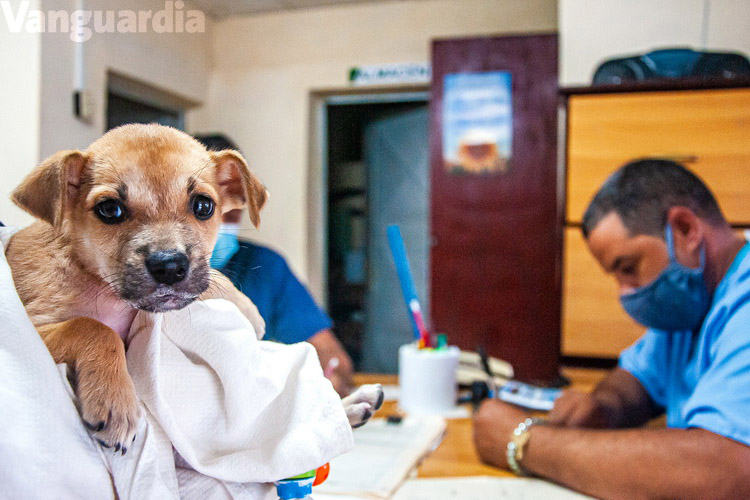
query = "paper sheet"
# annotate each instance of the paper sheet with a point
(382, 457)
(391, 392)
(484, 488)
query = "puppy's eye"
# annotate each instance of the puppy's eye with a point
(203, 207)
(110, 211)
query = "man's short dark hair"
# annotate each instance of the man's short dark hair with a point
(216, 142)
(642, 192)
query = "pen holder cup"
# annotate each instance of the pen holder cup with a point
(427, 379)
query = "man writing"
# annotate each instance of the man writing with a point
(683, 272)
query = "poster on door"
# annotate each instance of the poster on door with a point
(477, 122)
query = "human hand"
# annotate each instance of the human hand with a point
(578, 409)
(494, 423)
(341, 378)
(339, 372)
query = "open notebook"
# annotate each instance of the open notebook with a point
(473, 488)
(470, 369)
(383, 455)
(484, 488)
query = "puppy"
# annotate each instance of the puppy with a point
(126, 225)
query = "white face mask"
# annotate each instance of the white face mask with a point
(229, 228)
(226, 245)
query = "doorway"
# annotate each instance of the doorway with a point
(134, 101)
(376, 174)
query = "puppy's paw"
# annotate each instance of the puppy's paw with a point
(363, 403)
(108, 406)
(358, 414)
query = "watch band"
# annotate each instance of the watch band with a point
(517, 444)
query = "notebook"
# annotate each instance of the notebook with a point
(470, 369)
(383, 456)
(484, 488)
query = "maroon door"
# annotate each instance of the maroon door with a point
(496, 255)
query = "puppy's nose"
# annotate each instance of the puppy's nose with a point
(167, 267)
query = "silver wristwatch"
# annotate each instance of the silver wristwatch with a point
(517, 444)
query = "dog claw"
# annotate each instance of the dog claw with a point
(379, 404)
(103, 443)
(96, 428)
(116, 418)
(365, 418)
(124, 450)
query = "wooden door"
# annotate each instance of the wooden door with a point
(496, 255)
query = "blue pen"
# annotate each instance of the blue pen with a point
(398, 250)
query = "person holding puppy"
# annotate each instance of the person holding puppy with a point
(683, 272)
(290, 312)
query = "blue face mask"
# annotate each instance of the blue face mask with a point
(676, 300)
(226, 245)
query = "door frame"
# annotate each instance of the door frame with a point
(317, 179)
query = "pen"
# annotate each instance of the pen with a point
(486, 366)
(401, 260)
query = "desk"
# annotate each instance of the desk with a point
(456, 457)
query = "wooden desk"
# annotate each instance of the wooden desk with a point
(456, 457)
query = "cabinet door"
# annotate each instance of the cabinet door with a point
(707, 130)
(594, 323)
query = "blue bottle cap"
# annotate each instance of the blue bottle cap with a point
(293, 489)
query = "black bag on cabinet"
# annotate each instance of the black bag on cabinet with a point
(672, 63)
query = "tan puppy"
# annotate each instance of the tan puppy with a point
(128, 224)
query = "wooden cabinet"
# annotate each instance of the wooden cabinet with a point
(707, 130)
(594, 324)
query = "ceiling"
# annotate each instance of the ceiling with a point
(226, 8)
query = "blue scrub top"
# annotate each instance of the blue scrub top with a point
(289, 310)
(702, 379)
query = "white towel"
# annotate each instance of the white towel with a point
(45, 451)
(239, 412)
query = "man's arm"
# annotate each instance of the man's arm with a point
(619, 400)
(641, 463)
(329, 347)
(633, 463)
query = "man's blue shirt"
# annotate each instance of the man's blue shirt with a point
(702, 379)
(289, 310)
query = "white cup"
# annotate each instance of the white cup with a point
(427, 379)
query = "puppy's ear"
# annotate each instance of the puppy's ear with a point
(52, 186)
(238, 186)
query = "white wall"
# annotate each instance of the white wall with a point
(20, 57)
(36, 99)
(267, 65)
(594, 30)
(178, 63)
